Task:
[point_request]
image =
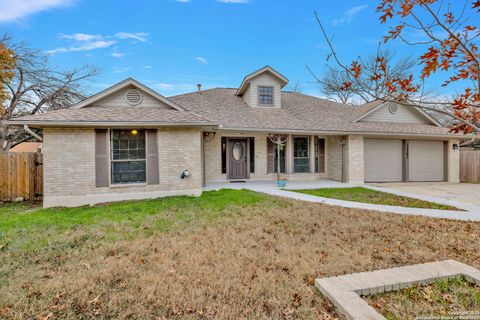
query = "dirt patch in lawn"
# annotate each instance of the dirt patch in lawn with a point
(364, 195)
(442, 298)
(253, 261)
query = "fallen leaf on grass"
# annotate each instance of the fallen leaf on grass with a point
(47, 317)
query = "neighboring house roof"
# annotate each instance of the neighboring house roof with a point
(27, 147)
(299, 112)
(268, 69)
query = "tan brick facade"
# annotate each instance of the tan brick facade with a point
(354, 160)
(69, 168)
(69, 164)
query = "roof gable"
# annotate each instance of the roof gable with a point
(267, 69)
(397, 113)
(118, 90)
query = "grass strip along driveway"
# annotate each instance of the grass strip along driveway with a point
(364, 195)
(229, 254)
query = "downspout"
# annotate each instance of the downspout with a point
(28, 130)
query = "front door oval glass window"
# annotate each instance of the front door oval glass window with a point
(237, 151)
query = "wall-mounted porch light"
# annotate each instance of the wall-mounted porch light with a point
(185, 174)
(455, 146)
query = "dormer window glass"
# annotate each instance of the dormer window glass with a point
(265, 95)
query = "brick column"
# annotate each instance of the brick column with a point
(354, 160)
(453, 162)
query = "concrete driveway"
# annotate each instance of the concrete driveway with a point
(467, 193)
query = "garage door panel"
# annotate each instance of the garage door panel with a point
(383, 160)
(426, 161)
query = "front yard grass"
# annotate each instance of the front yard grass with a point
(359, 194)
(443, 298)
(229, 254)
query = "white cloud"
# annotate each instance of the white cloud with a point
(139, 36)
(81, 36)
(85, 46)
(348, 15)
(164, 85)
(120, 69)
(233, 1)
(85, 42)
(183, 1)
(170, 88)
(200, 60)
(12, 10)
(147, 67)
(117, 54)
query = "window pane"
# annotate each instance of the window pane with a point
(125, 145)
(265, 95)
(301, 154)
(252, 155)
(128, 172)
(224, 154)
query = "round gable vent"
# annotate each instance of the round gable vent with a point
(393, 107)
(133, 97)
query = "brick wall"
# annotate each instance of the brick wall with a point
(69, 168)
(453, 162)
(354, 160)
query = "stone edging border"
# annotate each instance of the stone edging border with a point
(345, 291)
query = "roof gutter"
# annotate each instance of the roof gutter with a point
(28, 130)
(97, 124)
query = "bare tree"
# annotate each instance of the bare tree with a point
(332, 81)
(296, 87)
(451, 41)
(38, 87)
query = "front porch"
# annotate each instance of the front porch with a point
(251, 156)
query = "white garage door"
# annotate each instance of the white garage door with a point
(383, 160)
(425, 161)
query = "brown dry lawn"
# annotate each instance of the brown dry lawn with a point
(443, 298)
(255, 259)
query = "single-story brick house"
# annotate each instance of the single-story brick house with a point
(130, 142)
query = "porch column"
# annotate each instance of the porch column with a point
(354, 160)
(312, 154)
(453, 161)
(289, 155)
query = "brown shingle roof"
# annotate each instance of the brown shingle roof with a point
(117, 114)
(298, 112)
(221, 106)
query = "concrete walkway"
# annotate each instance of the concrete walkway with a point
(472, 212)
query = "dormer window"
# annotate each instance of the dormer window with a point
(265, 95)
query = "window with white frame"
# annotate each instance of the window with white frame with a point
(128, 156)
(265, 95)
(301, 154)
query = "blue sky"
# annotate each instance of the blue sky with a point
(173, 45)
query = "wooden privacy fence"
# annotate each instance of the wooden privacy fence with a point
(21, 176)
(469, 165)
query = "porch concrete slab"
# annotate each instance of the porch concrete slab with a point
(471, 213)
(345, 291)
